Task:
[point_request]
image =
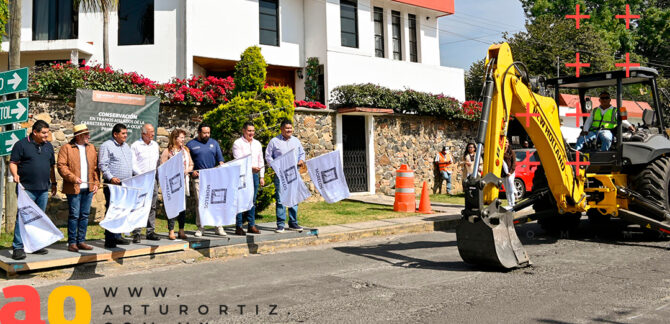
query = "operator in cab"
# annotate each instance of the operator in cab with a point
(600, 124)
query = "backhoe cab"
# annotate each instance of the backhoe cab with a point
(631, 180)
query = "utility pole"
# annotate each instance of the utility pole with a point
(14, 63)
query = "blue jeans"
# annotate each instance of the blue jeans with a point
(605, 137)
(40, 198)
(251, 213)
(281, 209)
(77, 221)
(446, 176)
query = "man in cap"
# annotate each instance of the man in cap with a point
(78, 165)
(443, 162)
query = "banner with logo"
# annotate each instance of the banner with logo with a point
(171, 181)
(293, 189)
(139, 215)
(245, 191)
(218, 195)
(37, 230)
(122, 200)
(327, 174)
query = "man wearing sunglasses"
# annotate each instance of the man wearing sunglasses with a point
(601, 124)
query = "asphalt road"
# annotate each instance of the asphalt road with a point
(412, 278)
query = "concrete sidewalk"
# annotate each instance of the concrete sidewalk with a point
(231, 246)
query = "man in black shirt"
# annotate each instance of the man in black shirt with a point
(32, 165)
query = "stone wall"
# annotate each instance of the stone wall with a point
(415, 140)
(316, 131)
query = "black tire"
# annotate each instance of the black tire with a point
(520, 189)
(653, 183)
(540, 183)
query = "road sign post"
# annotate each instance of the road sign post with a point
(13, 81)
(9, 138)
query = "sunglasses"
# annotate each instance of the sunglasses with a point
(605, 98)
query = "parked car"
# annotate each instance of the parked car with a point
(524, 172)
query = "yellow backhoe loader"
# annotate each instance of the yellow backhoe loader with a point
(630, 181)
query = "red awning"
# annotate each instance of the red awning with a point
(634, 107)
(444, 6)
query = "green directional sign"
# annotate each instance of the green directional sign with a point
(13, 81)
(8, 139)
(13, 111)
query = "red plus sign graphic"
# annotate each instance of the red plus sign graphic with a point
(577, 16)
(527, 163)
(627, 16)
(577, 162)
(627, 65)
(578, 115)
(527, 114)
(578, 64)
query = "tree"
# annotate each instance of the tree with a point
(547, 38)
(105, 7)
(474, 80)
(4, 16)
(250, 71)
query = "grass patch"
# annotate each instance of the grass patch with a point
(310, 214)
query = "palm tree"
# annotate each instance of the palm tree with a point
(104, 6)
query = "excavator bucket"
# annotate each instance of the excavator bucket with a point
(491, 241)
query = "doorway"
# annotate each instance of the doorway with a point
(354, 153)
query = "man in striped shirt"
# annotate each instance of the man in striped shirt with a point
(115, 163)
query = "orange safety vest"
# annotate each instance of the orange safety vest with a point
(445, 164)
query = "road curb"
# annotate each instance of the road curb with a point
(423, 224)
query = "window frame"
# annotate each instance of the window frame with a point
(396, 40)
(354, 4)
(276, 21)
(52, 32)
(379, 11)
(119, 30)
(413, 44)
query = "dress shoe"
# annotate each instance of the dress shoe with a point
(182, 235)
(171, 235)
(18, 254)
(153, 237)
(253, 230)
(239, 231)
(73, 248)
(121, 241)
(137, 238)
(84, 246)
(41, 252)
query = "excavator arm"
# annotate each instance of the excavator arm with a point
(486, 234)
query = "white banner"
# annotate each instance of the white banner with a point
(327, 173)
(145, 182)
(218, 195)
(121, 201)
(293, 189)
(171, 181)
(245, 191)
(37, 230)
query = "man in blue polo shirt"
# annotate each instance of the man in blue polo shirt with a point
(206, 154)
(32, 165)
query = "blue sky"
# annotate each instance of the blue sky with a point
(483, 20)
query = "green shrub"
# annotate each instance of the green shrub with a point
(266, 111)
(312, 79)
(402, 102)
(250, 71)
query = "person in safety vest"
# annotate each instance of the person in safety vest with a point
(444, 162)
(600, 124)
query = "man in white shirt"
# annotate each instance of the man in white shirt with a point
(600, 124)
(145, 154)
(242, 147)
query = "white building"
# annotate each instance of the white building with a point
(393, 43)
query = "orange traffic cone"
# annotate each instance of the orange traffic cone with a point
(424, 204)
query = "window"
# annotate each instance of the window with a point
(395, 27)
(136, 22)
(413, 56)
(54, 19)
(349, 23)
(379, 32)
(268, 22)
